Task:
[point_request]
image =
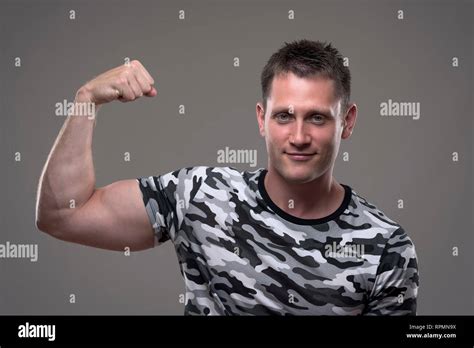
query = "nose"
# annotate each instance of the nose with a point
(298, 136)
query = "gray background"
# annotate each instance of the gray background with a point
(192, 63)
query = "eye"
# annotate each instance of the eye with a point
(282, 116)
(318, 118)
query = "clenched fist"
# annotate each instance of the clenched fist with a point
(125, 83)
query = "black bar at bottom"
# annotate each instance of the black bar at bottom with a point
(136, 330)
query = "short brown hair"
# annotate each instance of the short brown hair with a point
(307, 58)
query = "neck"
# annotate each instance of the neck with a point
(312, 200)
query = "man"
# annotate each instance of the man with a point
(287, 240)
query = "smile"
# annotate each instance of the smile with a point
(300, 157)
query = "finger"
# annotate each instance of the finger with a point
(146, 73)
(150, 79)
(152, 93)
(126, 92)
(134, 86)
(143, 82)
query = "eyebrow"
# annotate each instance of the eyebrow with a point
(313, 111)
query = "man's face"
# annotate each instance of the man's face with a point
(302, 117)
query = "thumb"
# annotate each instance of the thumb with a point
(153, 92)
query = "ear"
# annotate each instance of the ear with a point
(349, 121)
(261, 118)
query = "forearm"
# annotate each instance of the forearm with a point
(68, 179)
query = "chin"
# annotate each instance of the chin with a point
(299, 175)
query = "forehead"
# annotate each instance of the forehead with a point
(288, 88)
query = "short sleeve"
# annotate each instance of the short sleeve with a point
(396, 283)
(166, 198)
(158, 207)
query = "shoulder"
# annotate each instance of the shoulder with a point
(203, 175)
(364, 211)
(363, 215)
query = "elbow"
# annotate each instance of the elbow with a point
(41, 221)
(52, 229)
(44, 225)
(46, 219)
(41, 225)
(55, 225)
(47, 225)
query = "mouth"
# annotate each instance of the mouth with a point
(297, 156)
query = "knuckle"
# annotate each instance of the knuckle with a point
(124, 71)
(122, 80)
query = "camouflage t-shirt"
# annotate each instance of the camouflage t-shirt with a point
(240, 254)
